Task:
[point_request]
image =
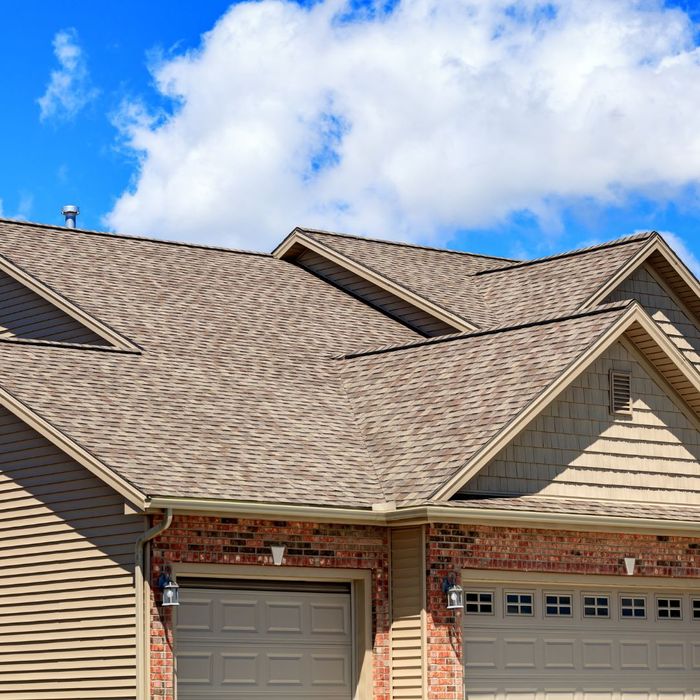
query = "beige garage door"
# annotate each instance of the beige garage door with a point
(237, 643)
(572, 644)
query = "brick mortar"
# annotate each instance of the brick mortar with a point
(235, 542)
(456, 547)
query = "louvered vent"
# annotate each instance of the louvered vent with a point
(621, 393)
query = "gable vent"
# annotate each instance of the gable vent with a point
(621, 393)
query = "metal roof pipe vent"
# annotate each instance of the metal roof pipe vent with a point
(70, 211)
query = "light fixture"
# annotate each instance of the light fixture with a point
(455, 593)
(170, 589)
(277, 554)
(630, 563)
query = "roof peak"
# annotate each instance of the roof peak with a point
(131, 237)
(572, 253)
(305, 229)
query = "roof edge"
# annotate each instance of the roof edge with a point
(634, 314)
(634, 238)
(621, 306)
(297, 236)
(75, 451)
(422, 514)
(46, 292)
(132, 237)
(403, 244)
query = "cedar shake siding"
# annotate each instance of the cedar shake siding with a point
(66, 575)
(577, 449)
(24, 314)
(679, 323)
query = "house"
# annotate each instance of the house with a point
(392, 422)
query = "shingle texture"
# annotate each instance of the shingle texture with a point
(426, 410)
(255, 380)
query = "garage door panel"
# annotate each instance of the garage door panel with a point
(548, 648)
(263, 644)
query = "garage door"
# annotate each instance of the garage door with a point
(572, 644)
(237, 643)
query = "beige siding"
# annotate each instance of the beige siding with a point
(24, 314)
(407, 613)
(374, 295)
(647, 288)
(67, 619)
(576, 448)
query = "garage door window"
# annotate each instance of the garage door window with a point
(633, 608)
(519, 603)
(558, 605)
(669, 609)
(696, 609)
(478, 603)
(596, 606)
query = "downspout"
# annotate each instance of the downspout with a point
(143, 686)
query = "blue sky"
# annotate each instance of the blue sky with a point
(512, 128)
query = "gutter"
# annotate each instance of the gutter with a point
(141, 585)
(426, 514)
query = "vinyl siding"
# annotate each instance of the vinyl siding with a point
(25, 314)
(576, 448)
(646, 287)
(407, 613)
(374, 295)
(67, 618)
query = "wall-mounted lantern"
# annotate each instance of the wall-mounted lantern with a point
(454, 593)
(630, 564)
(170, 589)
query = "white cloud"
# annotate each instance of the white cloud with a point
(69, 88)
(681, 248)
(442, 115)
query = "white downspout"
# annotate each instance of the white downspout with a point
(143, 686)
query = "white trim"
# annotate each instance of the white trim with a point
(435, 310)
(421, 515)
(68, 307)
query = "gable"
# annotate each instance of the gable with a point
(648, 287)
(25, 314)
(576, 449)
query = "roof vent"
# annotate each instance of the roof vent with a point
(70, 211)
(621, 393)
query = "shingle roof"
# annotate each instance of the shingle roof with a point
(445, 277)
(234, 396)
(245, 389)
(426, 409)
(490, 291)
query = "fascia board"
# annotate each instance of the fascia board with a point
(422, 515)
(435, 310)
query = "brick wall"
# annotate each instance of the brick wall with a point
(210, 540)
(456, 547)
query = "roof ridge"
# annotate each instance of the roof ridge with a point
(402, 244)
(571, 253)
(133, 237)
(608, 308)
